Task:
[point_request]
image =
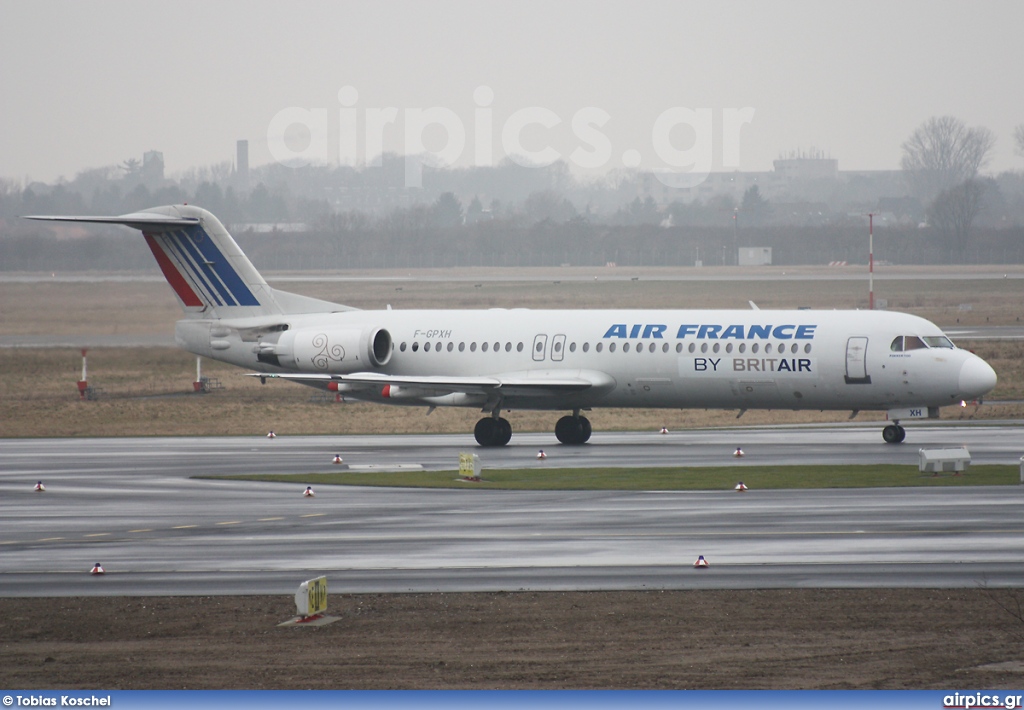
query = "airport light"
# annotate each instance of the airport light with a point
(870, 260)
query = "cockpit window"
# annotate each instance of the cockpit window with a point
(903, 343)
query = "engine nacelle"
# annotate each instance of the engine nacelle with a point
(331, 350)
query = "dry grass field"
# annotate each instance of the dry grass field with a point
(147, 391)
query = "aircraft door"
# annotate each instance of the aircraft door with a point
(557, 348)
(856, 361)
(540, 346)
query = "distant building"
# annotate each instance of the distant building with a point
(754, 256)
(152, 172)
(812, 165)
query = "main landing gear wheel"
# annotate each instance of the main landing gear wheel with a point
(894, 434)
(492, 431)
(573, 430)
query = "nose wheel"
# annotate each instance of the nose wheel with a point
(894, 434)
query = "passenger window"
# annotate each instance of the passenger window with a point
(415, 347)
(402, 347)
(611, 347)
(625, 347)
(743, 347)
(472, 347)
(586, 347)
(598, 347)
(807, 348)
(679, 347)
(897, 344)
(451, 346)
(651, 348)
(703, 347)
(693, 346)
(483, 347)
(519, 348)
(572, 347)
(753, 348)
(728, 347)
(715, 348)
(508, 347)
(768, 347)
(462, 347)
(437, 347)
(426, 347)
(497, 347)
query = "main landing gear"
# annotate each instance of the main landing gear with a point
(493, 431)
(573, 429)
(894, 433)
(496, 431)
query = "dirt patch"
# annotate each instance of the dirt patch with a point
(803, 638)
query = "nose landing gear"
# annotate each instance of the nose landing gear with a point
(894, 433)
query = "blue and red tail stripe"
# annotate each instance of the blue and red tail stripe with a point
(197, 270)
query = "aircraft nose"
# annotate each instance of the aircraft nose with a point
(976, 378)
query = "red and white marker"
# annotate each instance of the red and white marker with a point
(39, 486)
(271, 434)
(541, 454)
(664, 430)
(336, 459)
(740, 487)
(308, 493)
(97, 569)
(738, 453)
(701, 563)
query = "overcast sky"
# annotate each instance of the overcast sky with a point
(88, 84)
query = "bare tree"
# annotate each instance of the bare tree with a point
(942, 153)
(953, 212)
(1018, 139)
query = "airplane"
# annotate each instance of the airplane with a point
(557, 360)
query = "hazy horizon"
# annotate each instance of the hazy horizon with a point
(93, 84)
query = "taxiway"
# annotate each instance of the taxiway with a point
(132, 505)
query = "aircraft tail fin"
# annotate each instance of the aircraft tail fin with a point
(208, 272)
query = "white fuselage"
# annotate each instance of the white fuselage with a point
(635, 358)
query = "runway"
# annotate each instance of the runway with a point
(130, 504)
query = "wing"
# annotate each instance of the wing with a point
(528, 383)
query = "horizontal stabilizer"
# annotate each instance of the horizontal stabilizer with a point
(146, 221)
